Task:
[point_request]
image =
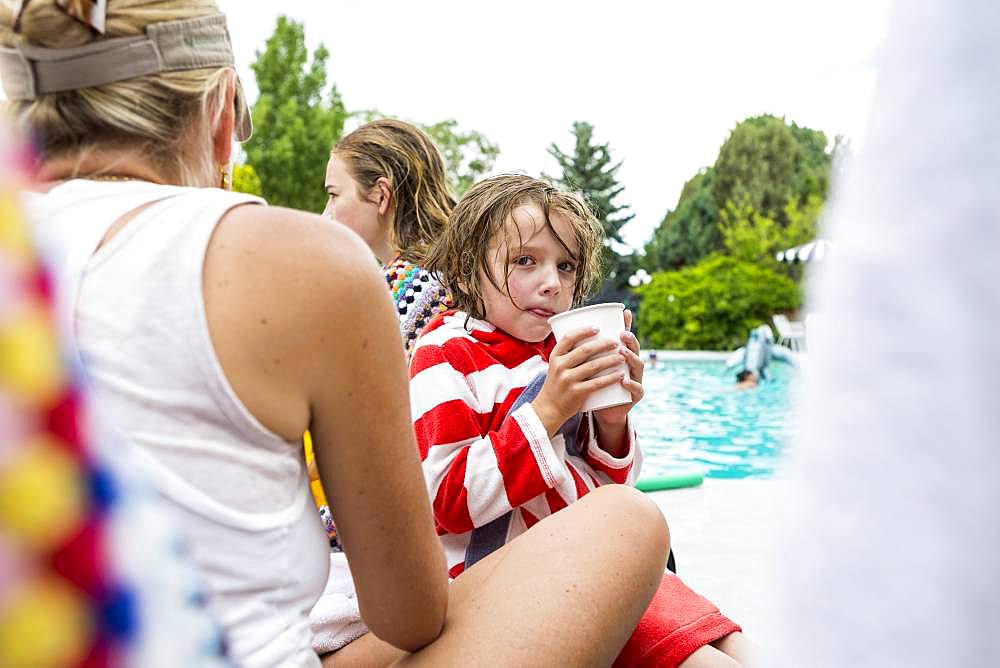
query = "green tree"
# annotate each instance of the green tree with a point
(297, 119)
(749, 235)
(589, 170)
(468, 155)
(764, 164)
(803, 220)
(768, 162)
(713, 304)
(752, 236)
(690, 231)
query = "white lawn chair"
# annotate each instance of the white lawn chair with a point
(790, 333)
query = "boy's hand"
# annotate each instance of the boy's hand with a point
(571, 375)
(614, 416)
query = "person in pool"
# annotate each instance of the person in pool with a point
(752, 359)
(746, 380)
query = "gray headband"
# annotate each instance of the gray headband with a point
(28, 72)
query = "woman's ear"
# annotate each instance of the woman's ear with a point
(222, 133)
(383, 195)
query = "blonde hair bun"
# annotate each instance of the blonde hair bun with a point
(45, 23)
(166, 117)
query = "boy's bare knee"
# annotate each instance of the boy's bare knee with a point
(634, 516)
(648, 519)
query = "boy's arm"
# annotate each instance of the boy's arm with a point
(613, 452)
(474, 478)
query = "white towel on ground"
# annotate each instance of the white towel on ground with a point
(336, 619)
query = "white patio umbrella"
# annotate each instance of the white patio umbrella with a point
(814, 250)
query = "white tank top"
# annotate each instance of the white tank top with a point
(135, 308)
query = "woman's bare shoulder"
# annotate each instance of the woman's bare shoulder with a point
(303, 260)
(299, 242)
(282, 288)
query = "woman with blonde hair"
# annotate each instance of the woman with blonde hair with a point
(215, 330)
(387, 182)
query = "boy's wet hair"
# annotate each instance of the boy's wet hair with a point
(483, 215)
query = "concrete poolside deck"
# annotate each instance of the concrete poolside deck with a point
(722, 533)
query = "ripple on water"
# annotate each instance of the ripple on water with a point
(691, 415)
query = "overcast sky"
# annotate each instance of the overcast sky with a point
(663, 82)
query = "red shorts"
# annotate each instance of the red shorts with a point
(677, 622)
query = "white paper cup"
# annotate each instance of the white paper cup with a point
(610, 321)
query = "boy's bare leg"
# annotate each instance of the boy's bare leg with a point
(735, 645)
(709, 657)
(570, 591)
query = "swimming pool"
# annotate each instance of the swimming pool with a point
(691, 417)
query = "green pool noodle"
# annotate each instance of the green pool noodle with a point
(673, 481)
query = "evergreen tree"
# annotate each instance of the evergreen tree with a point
(589, 170)
(297, 119)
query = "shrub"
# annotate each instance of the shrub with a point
(245, 180)
(712, 305)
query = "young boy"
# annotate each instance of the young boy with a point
(496, 402)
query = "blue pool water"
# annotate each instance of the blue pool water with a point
(691, 417)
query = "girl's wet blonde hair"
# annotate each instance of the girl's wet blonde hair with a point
(166, 118)
(406, 156)
(482, 220)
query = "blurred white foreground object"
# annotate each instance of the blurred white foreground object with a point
(890, 558)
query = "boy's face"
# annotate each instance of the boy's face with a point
(539, 276)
